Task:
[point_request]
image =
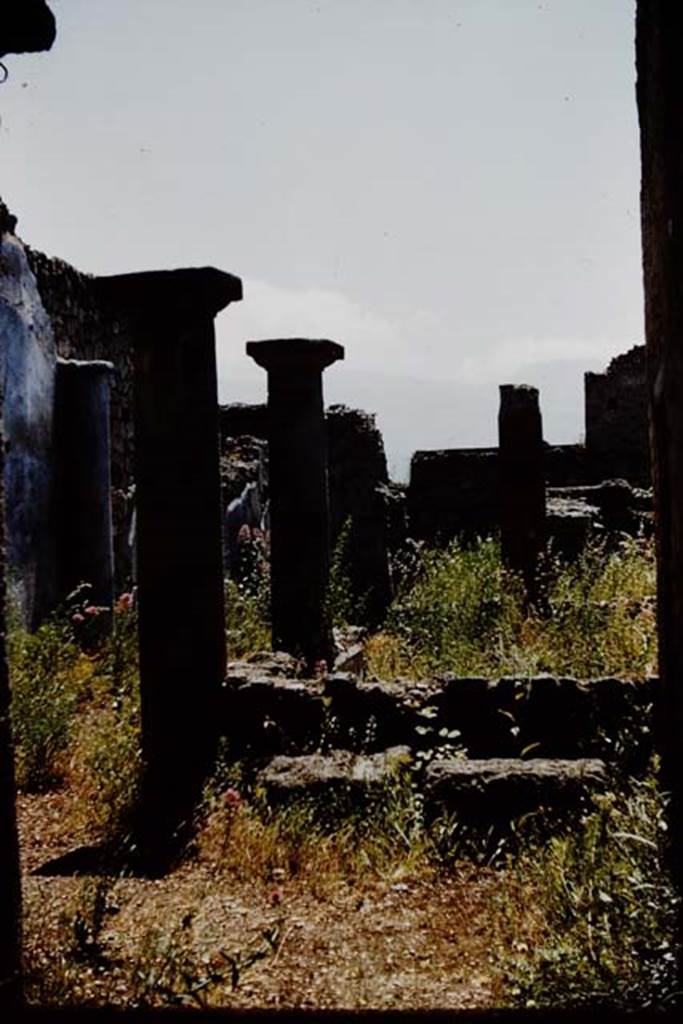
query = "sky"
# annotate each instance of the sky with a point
(448, 188)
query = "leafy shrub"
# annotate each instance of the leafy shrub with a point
(50, 675)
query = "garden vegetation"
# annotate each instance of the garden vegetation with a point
(583, 915)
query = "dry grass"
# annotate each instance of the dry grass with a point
(407, 936)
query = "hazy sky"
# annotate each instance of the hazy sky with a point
(449, 188)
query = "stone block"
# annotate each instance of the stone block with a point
(500, 789)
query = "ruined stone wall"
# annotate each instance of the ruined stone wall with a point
(86, 329)
(455, 491)
(359, 490)
(27, 381)
(358, 481)
(617, 425)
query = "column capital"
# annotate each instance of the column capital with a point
(199, 291)
(85, 366)
(295, 354)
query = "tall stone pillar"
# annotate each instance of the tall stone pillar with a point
(299, 503)
(179, 558)
(83, 491)
(659, 30)
(10, 884)
(521, 482)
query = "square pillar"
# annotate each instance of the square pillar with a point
(299, 502)
(522, 482)
(179, 556)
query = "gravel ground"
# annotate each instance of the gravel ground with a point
(397, 942)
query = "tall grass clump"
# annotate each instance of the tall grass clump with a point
(105, 754)
(465, 613)
(462, 612)
(247, 612)
(50, 676)
(609, 909)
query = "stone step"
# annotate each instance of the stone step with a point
(337, 774)
(266, 711)
(495, 789)
(481, 790)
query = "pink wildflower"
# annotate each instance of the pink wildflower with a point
(125, 602)
(243, 534)
(233, 798)
(92, 610)
(77, 617)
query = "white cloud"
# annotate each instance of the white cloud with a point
(515, 356)
(372, 342)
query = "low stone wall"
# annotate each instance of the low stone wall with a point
(266, 713)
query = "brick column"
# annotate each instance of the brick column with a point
(521, 482)
(83, 491)
(179, 558)
(10, 883)
(299, 503)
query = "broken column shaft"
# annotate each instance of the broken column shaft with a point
(521, 482)
(83, 492)
(179, 559)
(299, 504)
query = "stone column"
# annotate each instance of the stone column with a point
(299, 503)
(521, 482)
(10, 883)
(659, 30)
(179, 558)
(83, 492)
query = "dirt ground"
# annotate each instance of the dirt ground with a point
(200, 936)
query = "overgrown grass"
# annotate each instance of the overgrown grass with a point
(50, 676)
(75, 710)
(605, 936)
(465, 613)
(247, 611)
(584, 916)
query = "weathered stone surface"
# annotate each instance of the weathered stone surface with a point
(503, 788)
(299, 501)
(359, 495)
(83, 479)
(612, 505)
(548, 716)
(180, 570)
(86, 328)
(340, 773)
(359, 491)
(521, 472)
(28, 361)
(266, 710)
(239, 419)
(617, 427)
